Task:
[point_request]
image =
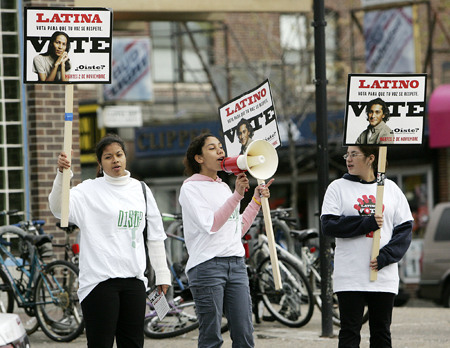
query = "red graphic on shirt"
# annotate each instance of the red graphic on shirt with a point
(366, 207)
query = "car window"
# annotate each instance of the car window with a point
(443, 229)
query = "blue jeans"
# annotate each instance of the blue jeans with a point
(221, 285)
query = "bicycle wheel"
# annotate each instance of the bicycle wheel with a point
(293, 304)
(180, 320)
(58, 309)
(6, 294)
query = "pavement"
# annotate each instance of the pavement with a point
(418, 324)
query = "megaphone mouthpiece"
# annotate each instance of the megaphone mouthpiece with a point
(255, 160)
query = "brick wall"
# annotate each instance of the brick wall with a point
(258, 36)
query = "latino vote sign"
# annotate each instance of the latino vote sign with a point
(250, 116)
(67, 45)
(385, 109)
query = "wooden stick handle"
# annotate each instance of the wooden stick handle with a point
(271, 241)
(68, 150)
(378, 205)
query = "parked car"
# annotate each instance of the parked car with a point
(12, 332)
(435, 261)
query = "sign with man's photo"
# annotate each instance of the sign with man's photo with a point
(249, 117)
(385, 109)
(67, 45)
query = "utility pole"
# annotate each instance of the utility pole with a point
(319, 25)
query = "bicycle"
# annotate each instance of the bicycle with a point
(45, 291)
(293, 304)
(307, 257)
(181, 317)
(71, 251)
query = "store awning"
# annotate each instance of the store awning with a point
(439, 117)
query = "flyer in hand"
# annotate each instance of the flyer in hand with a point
(159, 302)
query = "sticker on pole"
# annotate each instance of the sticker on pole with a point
(385, 109)
(67, 45)
(249, 117)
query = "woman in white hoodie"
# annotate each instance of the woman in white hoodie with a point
(111, 214)
(213, 229)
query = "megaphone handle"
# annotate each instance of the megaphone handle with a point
(271, 240)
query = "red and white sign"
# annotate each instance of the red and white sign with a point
(67, 45)
(249, 117)
(385, 109)
(131, 71)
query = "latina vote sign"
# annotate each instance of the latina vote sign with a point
(67, 45)
(249, 117)
(385, 109)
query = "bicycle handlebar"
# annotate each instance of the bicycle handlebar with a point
(8, 212)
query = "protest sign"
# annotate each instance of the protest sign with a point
(82, 34)
(402, 101)
(248, 117)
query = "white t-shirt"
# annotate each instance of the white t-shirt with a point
(352, 255)
(199, 200)
(110, 215)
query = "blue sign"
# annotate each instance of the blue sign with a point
(131, 71)
(171, 139)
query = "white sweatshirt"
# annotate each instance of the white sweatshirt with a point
(110, 215)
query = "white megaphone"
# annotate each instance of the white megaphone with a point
(260, 160)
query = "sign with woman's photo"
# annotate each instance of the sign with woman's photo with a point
(67, 45)
(385, 109)
(248, 117)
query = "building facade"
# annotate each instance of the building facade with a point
(199, 62)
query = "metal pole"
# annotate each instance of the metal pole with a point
(322, 160)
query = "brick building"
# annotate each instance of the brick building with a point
(239, 50)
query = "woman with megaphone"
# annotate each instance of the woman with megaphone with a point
(213, 229)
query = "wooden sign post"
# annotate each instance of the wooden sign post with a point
(68, 118)
(271, 241)
(379, 205)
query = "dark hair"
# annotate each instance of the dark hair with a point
(191, 166)
(371, 150)
(108, 139)
(51, 48)
(250, 129)
(379, 101)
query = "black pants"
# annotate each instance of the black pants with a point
(351, 308)
(115, 308)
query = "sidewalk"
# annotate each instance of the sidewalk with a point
(420, 324)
